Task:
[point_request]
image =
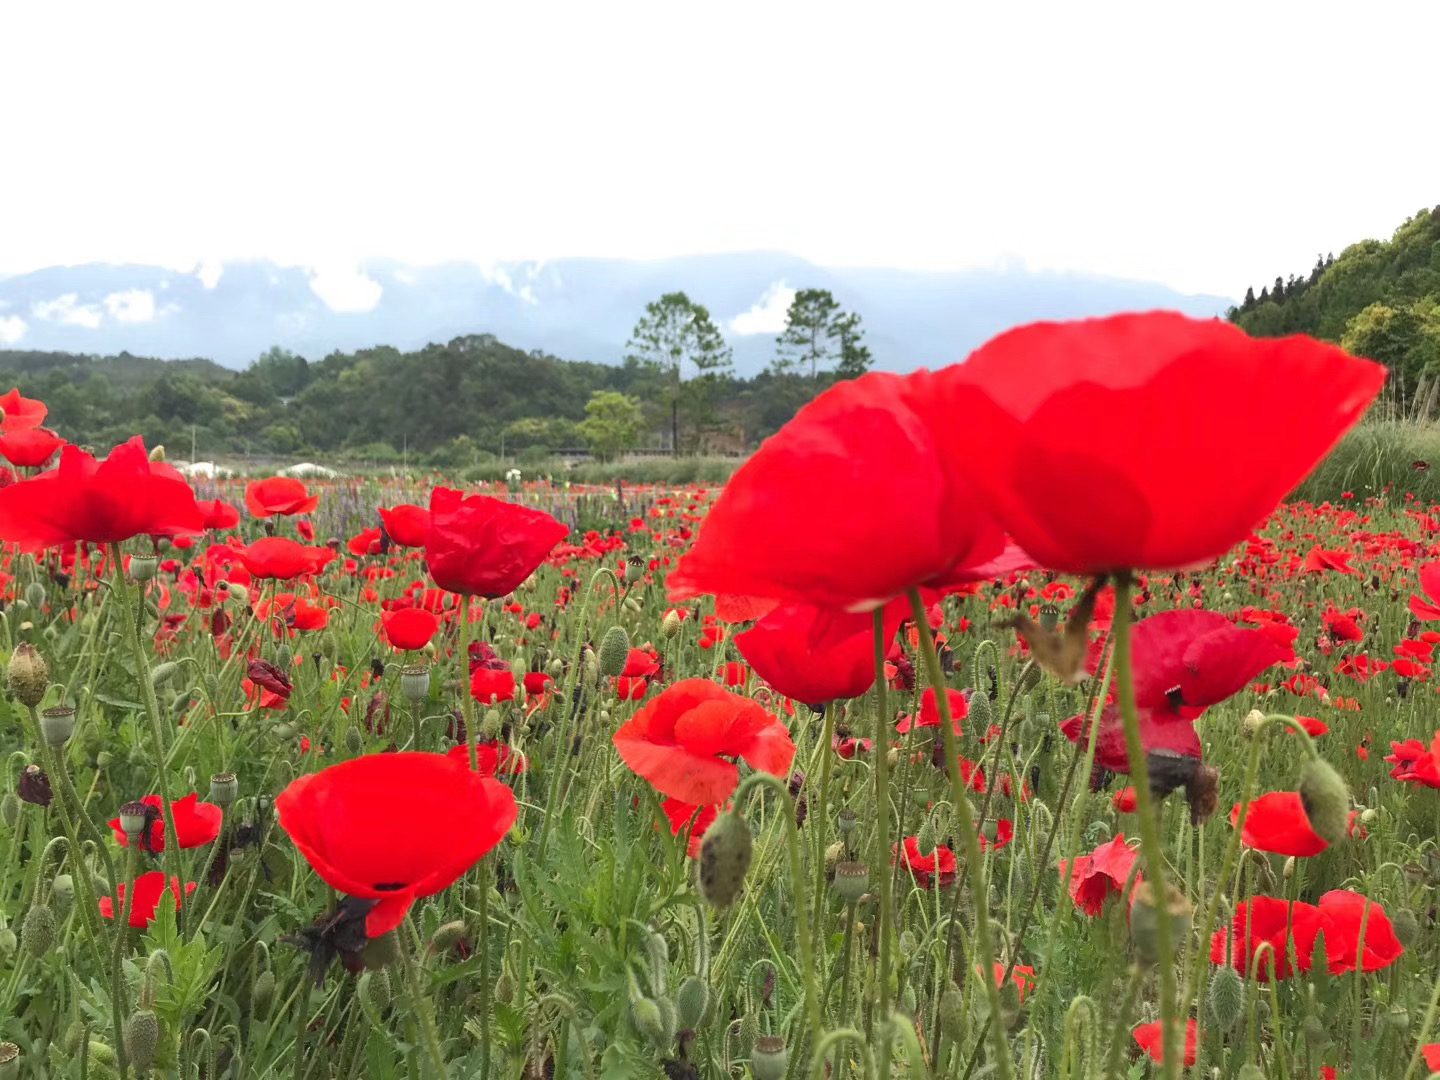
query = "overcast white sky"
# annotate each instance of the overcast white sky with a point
(1205, 145)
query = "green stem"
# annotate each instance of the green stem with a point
(969, 837)
(836, 1038)
(845, 976)
(1122, 1022)
(302, 1013)
(882, 838)
(428, 1032)
(483, 948)
(822, 817)
(1146, 810)
(117, 974)
(467, 699)
(170, 857)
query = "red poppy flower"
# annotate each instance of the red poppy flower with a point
(265, 674)
(18, 413)
(681, 740)
(100, 502)
(1102, 873)
(394, 827)
(1022, 976)
(881, 434)
(1150, 1038)
(1313, 726)
(1116, 443)
(816, 655)
(491, 759)
(1317, 561)
(1421, 607)
(537, 683)
(1343, 911)
(939, 862)
(489, 685)
(282, 558)
(1124, 800)
(1277, 823)
(365, 542)
(409, 628)
(1431, 1052)
(149, 888)
(680, 814)
(29, 447)
(486, 547)
(282, 495)
(219, 514)
(1414, 763)
(406, 524)
(930, 711)
(196, 822)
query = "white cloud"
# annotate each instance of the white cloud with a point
(12, 329)
(767, 316)
(345, 289)
(405, 277)
(67, 311)
(131, 306)
(209, 272)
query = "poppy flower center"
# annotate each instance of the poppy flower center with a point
(1175, 696)
(389, 887)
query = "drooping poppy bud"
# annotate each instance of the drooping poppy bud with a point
(725, 855)
(614, 651)
(1326, 800)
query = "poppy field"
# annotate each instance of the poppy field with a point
(1006, 720)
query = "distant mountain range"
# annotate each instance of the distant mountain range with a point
(577, 309)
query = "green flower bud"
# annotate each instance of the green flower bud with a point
(1226, 997)
(770, 1058)
(659, 953)
(62, 895)
(614, 651)
(37, 933)
(952, 1014)
(262, 993)
(669, 1018)
(692, 1003)
(354, 741)
(645, 1015)
(10, 809)
(8, 943)
(1317, 1034)
(1144, 919)
(28, 674)
(725, 855)
(925, 839)
(381, 952)
(851, 881)
(505, 988)
(670, 624)
(981, 714)
(377, 988)
(142, 1032)
(748, 1030)
(1407, 928)
(35, 594)
(284, 657)
(1326, 800)
(446, 935)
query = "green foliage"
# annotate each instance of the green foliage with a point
(612, 423)
(674, 334)
(818, 334)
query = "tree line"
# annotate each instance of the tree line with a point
(465, 402)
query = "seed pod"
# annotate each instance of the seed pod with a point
(142, 1032)
(9, 1061)
(262, 993)
(37, 933)
(1326, 800)
(1227, 997)
(769, 1058)
(725, 855)
(614, 651)
(692, 1003)
(851, 881)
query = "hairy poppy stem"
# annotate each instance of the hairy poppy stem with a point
(423, 1006)
(467, 699)
(170, 857)
(984, 948)
(882, 830)
(1148, 812)
(117, 970)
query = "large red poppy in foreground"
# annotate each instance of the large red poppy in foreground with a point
(683, 740)
(1150, 440)
(851, 503)
(394, 827)
(486, 547)
(102, 502)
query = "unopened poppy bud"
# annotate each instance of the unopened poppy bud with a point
(1317, 1033)
(491, 724)
(614, 651)
(1226, 997)
(35, 594)
(1407, 927)
(381, 952)
(28, 674)
(851, 881)
(160, 674)
(632, 605)
(142, 1032)
(446, 935)
(8, 944)
(1253, 719)
(224, 787)
(1145, 919)
(659, 955)
(725, 854)
(37, 933)
(143, 567)
(57, 724)
(892, 759)
(925, 838)
(132, 819)
(62, 895)
(103, 759)
(157, 452)
(1326, 800)
(1398, 1018)
(505, 988)
(1202, 792)
(1369, 816)
(770, 1058)
(354, 741)
(284, 658)
(415, 682)
(981, 715)
(952, 1015)
(1289, 869)
(378, 990)
(262, 992)
(692, 1003)
(9, 1061)
(556, 667)
(670, 624)
(645, 1015)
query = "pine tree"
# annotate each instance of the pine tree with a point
(675, 331)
